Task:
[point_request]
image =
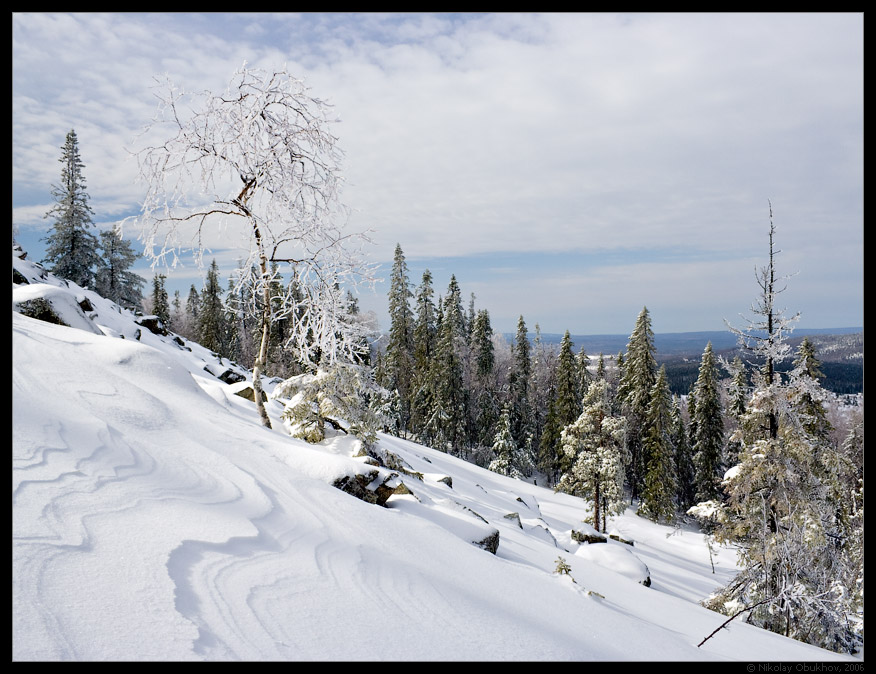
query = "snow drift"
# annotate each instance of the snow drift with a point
(154, 518)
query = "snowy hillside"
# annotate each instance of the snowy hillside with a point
(154, 518)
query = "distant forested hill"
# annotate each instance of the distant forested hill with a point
(841, 351)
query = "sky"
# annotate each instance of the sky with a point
(568, 168)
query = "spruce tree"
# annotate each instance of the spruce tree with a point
(176, 312)
(71, 250)
(639, 374)
(160, 300)
(568, 400)
(211, 319)
(446, 420)
(521, 419)
(232, 324)
(658, 495)
(563, 409)
(113, 278)
(425, 331)
(399, 356)
(482, 343)
(684, 468)
(600, 367)
(582, 362)
(552, 461)
(487, 413)
(810, 404)
(708, 443)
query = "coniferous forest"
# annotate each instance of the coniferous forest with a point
(747, 443)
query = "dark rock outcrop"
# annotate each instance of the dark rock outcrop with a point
(40, 309)
(490, 543)
(581, 537)
(153, 324)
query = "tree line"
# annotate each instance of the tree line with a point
(756, 451)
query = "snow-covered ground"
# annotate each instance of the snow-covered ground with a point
(154, 518)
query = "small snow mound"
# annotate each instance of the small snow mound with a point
(617, 558)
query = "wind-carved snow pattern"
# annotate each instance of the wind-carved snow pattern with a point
(154, 518)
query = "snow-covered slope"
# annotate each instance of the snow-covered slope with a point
(154, 518)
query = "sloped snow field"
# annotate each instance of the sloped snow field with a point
(155, 519)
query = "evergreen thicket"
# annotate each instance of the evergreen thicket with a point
(749, 444)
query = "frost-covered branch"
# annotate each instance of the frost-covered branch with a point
(257, 160)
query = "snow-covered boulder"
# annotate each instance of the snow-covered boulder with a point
(52, 304)
(619, 558)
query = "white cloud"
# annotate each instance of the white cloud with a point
(468, 134)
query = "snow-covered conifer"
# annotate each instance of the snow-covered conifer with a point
(71, 248)
(784, 504)
(113, 278)
(595, 443)
(510, 459)
(160, 300)
(639, 374)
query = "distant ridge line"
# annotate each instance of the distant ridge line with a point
(670, 342)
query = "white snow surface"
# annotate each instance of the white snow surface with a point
(155, 519)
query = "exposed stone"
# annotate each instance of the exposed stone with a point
(18, 278)
(490, 543)
(403, 489)
(581, 537)
(231, 377)
(388, 459)
(153, 324)
(248, 392)
(388, 488)
(515, 517)
(617, 538)
(85, 304)
(370, 488)
(469, 510)
(447, 480)
(356, 485)
(40, 309)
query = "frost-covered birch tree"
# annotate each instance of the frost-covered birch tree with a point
(257, 160)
